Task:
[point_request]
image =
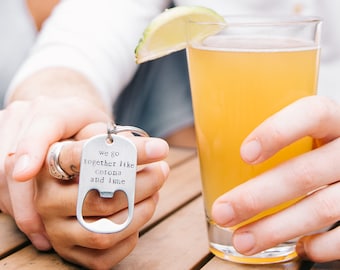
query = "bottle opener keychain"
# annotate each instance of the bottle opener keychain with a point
(108, 164)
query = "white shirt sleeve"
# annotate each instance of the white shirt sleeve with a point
(94, 37)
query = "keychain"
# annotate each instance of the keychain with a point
(108, 164)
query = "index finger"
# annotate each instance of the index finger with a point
(313, 116)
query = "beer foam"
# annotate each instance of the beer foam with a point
(251, 44)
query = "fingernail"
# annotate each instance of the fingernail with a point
(243, 242)
(154, 148)
(251, 150)
(40, 241)
(223, 213)
(21, 165)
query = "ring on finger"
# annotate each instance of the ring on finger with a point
(53, 162)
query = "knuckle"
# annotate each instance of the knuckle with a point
(105, 260)
(323, 106)
(323, 110)
(326, 209)
(302, 174)
(100, 262)
(100, 241)
(26, 224)
(277, 135)
(95, 260)
(249, 204)
(97, 263)
(276, 236)
(131, 241)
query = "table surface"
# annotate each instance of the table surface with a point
(175, 238)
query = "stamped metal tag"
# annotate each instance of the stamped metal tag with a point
(107, 166)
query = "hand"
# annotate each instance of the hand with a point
(316, 172)
(56, 203)
(28, 128)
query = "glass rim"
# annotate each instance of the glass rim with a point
(262, 20)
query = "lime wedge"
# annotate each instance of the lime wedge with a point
(167, 32)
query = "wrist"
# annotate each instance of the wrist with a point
(58, 82)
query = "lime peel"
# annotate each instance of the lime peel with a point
(166, 33)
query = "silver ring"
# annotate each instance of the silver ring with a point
(53, 162)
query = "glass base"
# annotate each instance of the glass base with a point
(220, 241)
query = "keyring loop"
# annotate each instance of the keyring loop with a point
(113, 128)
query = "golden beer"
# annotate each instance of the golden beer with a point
(236, 84)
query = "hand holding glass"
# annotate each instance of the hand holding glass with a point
(239, 77)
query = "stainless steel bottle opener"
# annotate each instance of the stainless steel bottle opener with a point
(108, 164)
